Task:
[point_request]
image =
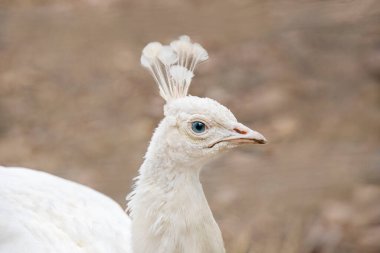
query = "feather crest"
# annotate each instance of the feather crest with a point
(172, 66)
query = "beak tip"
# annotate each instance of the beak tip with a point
(262, 140)
(259, 138)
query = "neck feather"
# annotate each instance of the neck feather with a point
(168, 207)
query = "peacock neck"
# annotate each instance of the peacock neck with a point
(169, 210)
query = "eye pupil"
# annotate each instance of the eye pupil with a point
(198, 127)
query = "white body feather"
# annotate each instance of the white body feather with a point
(168, 207)
(41, 213)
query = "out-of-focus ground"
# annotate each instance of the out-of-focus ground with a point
(75, 102)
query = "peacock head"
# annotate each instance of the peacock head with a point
(198, 127)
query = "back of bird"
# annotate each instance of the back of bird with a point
(43, 213)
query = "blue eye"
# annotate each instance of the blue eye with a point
(198, 127)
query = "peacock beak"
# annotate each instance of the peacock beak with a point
(243, 134)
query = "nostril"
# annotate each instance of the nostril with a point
(240, 131)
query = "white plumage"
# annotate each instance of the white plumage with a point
(169, 212)
(42, 213)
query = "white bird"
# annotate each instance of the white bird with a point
(168, 210)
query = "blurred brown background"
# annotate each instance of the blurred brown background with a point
(75, 102)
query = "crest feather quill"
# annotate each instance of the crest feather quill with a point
(172, 66)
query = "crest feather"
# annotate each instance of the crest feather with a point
(172, 66)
